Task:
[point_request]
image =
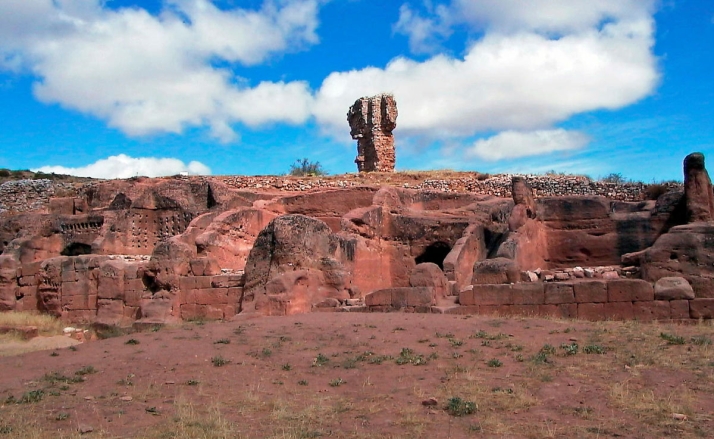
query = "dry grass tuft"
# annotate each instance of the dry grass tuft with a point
(189, 422)
(46, 325)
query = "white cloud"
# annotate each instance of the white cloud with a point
(514, 144)
(123, 166)
(522, 81)
(424, 33)
(555, 17)
(551, 16)
(145, 73)
(535, 64)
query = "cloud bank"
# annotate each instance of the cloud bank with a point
(145, 74)
(537, 64)
(123, 166)
(527, 67)
(514, 144)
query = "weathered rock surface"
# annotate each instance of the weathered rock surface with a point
(430, 275)
(525, 207)
(673, 288)
(593, 231)
(686, 251)
(148, 252)
(496, 271)
(294, 264)
(698, 189)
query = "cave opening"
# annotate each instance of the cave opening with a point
(435, 252)
(77, 249)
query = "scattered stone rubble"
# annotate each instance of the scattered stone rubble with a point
(567, 274)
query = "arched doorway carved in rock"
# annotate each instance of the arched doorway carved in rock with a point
(435, 252)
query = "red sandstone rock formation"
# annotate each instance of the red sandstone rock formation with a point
(698, 189)
(686, 250)
(372, 120)
(396, 248)
(296, 262)
(526, 242)
(8, 284)
(428, 274)
(525, 207)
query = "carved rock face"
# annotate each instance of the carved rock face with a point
(686, 251)
(698, 189)
(8, 286)
(372, 120)
(525, 207)
(294, 264)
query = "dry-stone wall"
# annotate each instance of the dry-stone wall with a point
(27, 195)
(499, 185)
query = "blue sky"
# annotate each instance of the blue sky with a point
(118, 88)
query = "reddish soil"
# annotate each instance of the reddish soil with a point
(276, 385)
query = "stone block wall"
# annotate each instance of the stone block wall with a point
(606, 299)
(110, 290)
(587, 299)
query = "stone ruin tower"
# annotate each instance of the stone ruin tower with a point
(372, 120)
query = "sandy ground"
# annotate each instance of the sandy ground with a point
(368, 375)
(17, 347)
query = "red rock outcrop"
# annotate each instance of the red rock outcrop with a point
(685, 251)
(372, 120)
(594, 231)
(8, 283)
(430, 275)
(229, 238)
(698, 189)
(185, 243)
(296, 262)
(525, 207)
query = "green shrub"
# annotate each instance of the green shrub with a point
(320, 360)
(459, 407)
(594, 349)
(219, 361)
(306, 168)
(615, 178)
(494, 362)
(86, 370)
(336, 382)
(570, 349)
(407, 356)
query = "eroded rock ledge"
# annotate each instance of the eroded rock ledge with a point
(152, 251)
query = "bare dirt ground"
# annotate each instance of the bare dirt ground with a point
(367, 376)
(12, 347)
